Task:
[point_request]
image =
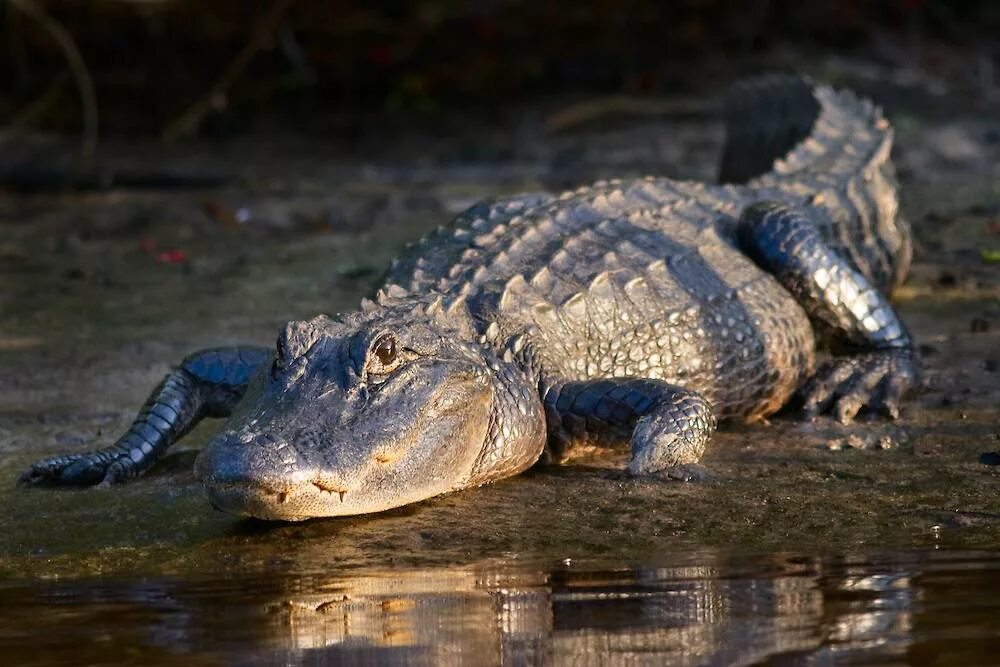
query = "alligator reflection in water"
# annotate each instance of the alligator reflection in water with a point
(724, 612)
(686, 614)
(689, 615)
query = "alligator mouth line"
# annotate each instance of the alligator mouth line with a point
(283, 495)
(244, 487)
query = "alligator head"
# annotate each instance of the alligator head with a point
(370, 411)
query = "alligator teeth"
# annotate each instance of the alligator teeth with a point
(329, 489)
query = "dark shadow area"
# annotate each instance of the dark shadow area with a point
(186, 68)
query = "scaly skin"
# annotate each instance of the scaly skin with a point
(638, 311)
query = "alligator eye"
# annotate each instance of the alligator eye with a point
(385, 349)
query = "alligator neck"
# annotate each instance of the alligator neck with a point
(517, 432)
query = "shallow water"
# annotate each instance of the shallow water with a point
(705, 608)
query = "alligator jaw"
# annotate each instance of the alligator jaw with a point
(246, 499)
(292, 496)
(251, 481)
(295, 503)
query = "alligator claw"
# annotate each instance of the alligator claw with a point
(42, 472)
(872, 380)
(71, 470)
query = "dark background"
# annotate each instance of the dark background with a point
(178, 69)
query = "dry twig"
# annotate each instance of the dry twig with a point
(590, 110)
(188, 122)
(81, 75)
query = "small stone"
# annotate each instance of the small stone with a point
(990, 458)
(947, 279)
(855, 442)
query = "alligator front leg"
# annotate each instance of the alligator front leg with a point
(668, 426)
(783, 241)
(206, 384)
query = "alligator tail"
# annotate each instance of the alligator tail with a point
(814, 143)
(766, 117)
(779, 127)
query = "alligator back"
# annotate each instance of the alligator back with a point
(627, 279)
(644, 278)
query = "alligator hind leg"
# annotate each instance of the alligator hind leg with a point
(206, 384)
(785, 242)
(668, 426)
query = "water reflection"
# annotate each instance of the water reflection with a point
(771, 609)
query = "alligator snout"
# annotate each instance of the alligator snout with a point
(263, 477)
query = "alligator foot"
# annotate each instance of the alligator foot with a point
(875, 380)
(670, 425)
(669, 441)
(100, 467)
(207, 383)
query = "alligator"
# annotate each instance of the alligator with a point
(628, 312)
